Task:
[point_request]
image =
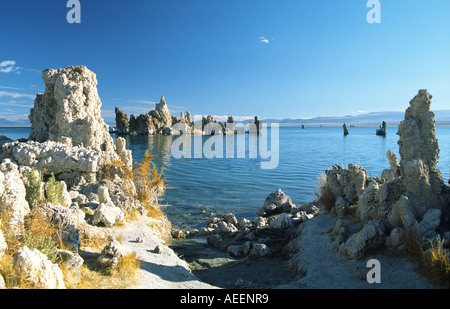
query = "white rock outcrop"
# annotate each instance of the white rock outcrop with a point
(68, 135)
(34, 267)
(419, 151)
(410, 192)
(107, 213)
(12, 196)
(70, 110)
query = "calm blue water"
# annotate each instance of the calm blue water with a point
(199, 187)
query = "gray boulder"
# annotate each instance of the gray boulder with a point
(111, 255)
(275, 203)
(370, 237)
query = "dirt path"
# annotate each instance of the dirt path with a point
(326, 268)
(159, 270)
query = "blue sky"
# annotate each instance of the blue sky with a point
(274, 59)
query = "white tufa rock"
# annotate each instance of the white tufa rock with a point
(34, 266)
(419, 152)
(282, 222)
(70, 108)
(12, 198)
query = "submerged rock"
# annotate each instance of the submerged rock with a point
(276, 203)
(382, 130)
(345, 129)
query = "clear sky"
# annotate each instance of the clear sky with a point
(275, 59)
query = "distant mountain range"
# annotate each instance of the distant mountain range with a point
(367, 119)
(20, 123)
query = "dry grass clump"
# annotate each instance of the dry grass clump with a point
(143, 181)
(38, 233)
(324, 197)
(148, 179)
(434, 263)
(121, 276)
(94, 241)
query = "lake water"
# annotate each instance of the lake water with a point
(198, 187)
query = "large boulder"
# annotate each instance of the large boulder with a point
(68, 163)
(111, 254)
(370, 237)
(348, 183)
(68, 220)
(107, 213)
(13, 203)
(143, 124)
(276, 202)
(34, 268)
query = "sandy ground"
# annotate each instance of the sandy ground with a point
(326, 268)
(164, 270)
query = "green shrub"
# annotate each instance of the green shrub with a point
(33, 187)
(46, 245)
(54, 191)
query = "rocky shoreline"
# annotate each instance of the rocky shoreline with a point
(70, 176)
(404, 210)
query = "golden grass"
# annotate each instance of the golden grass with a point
(148, 180)
(10, 232)
(412, 242)
(436, 263)
(93, 241)
(143, 181)
(122, 276)
(323, 194)
(433, 263)
(9, 274)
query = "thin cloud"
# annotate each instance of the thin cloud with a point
(10, 88)
(263, 39)
(9, 66)
(12, 103)
(16, 95)
(142, 101)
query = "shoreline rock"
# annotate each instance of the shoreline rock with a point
(160, 122)
(70, 142)
(410, 193)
